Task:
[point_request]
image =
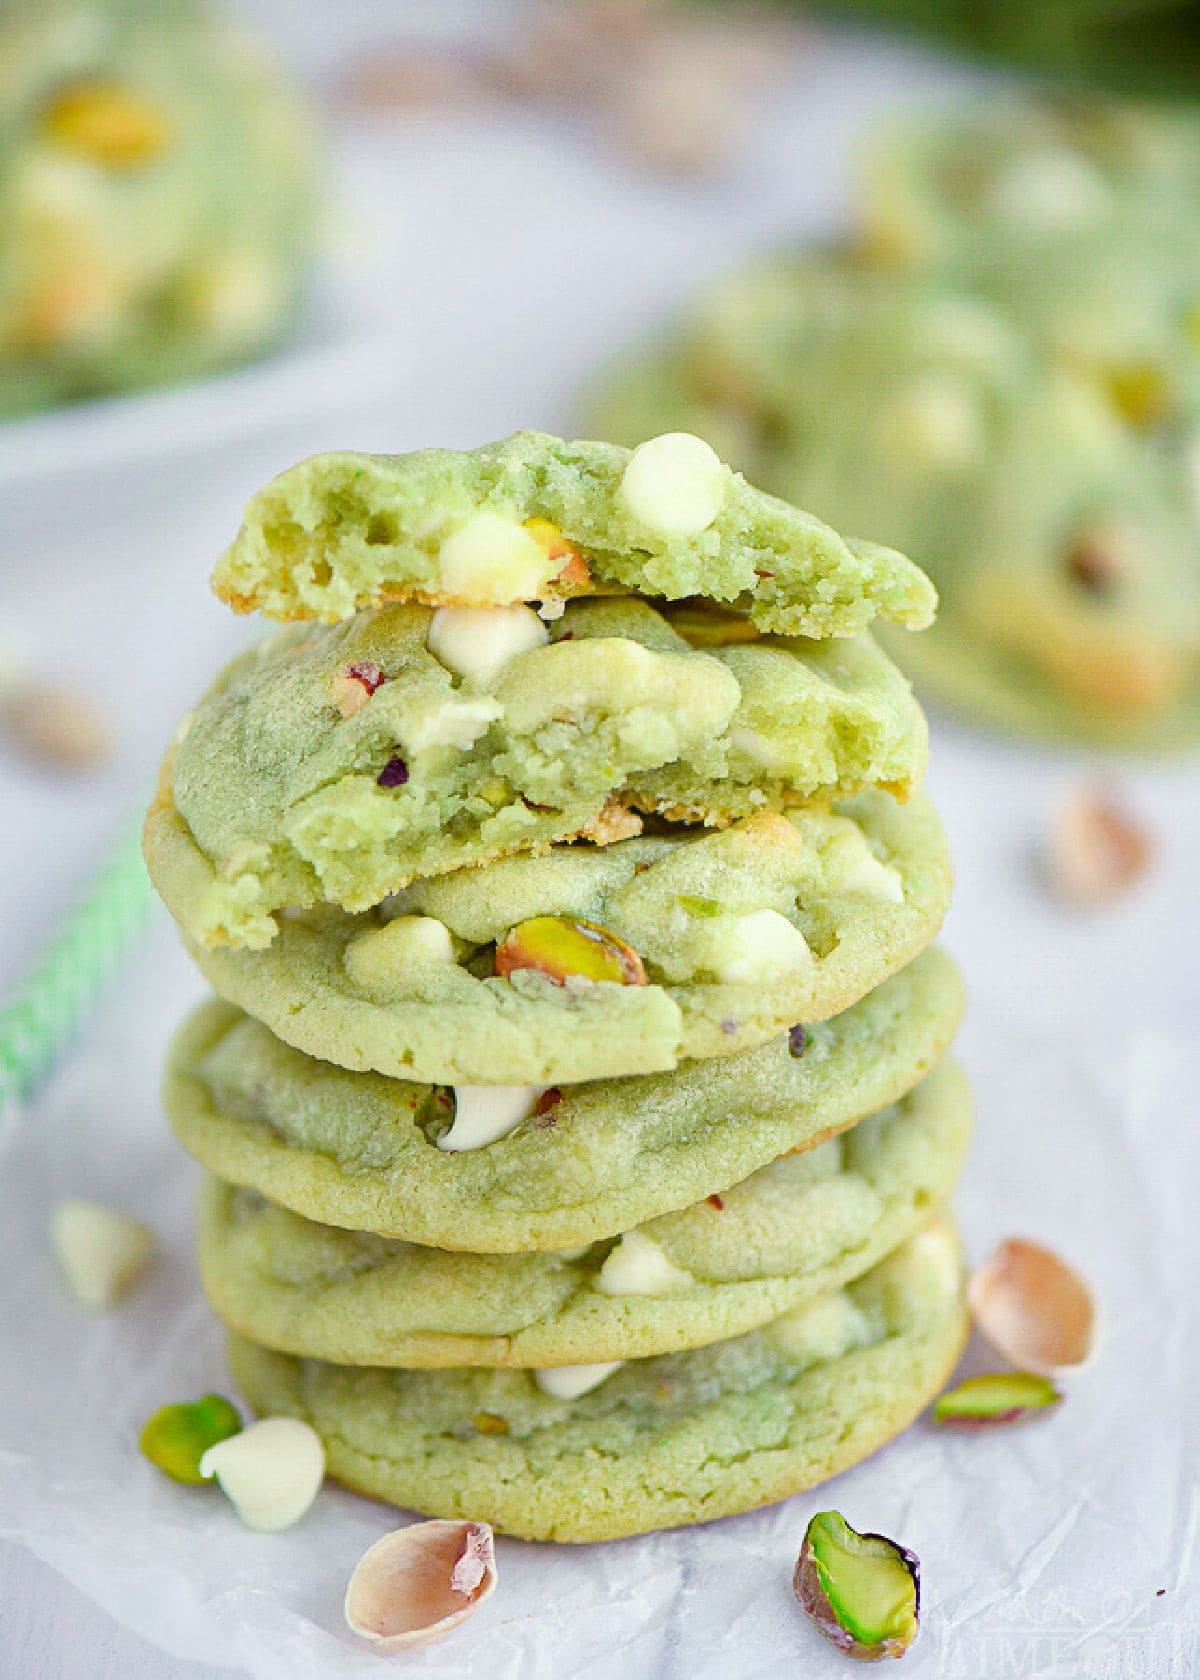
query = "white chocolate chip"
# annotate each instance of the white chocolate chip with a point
(1051, 191)
(492, 558)
(380, 958)
(102, 1252)
(758, 749)
(453, 723)
(483, 1113)
(638, 1266)
(271, 1472)
(760, 946)
(937, 422)
(568, 1382)
(674, 485)
(235, 297)
(874, 879)
(467, 639)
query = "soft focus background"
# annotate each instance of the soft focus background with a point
(494, 236)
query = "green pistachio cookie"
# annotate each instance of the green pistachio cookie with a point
(1016, 179)
(801, 1225)
(1039, 464)
(578, 1165)
(534, 518)
(587, 963)
(682, 1438)
(158, 196)
(337, 763)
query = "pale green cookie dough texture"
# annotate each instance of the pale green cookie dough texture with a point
(681, 1438)
(739, 933)
(534, 518)
(337, 763)
(158, 197)
(1002, 376)
(359, 1150)
(801, 1225)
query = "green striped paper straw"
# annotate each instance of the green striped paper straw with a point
(73, 970)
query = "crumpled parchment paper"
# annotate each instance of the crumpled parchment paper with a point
(1044, 1548)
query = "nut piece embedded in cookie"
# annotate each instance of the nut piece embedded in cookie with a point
(674, 485)
(563, 949)
(107, 123)
(861, 1591)
(418, 1583)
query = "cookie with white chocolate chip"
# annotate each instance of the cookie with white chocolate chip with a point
(805, 1223)
(534, 518)
(510, 1169)
(583, 963)
(596, 1453)
(337, 763)
(159, 194)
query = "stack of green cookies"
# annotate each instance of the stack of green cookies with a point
(575, 1099)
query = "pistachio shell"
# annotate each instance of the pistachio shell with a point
(1095, 850)
(561, 948)
(1033, 1308)
(418, 1583)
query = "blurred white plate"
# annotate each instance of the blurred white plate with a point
(336, 362)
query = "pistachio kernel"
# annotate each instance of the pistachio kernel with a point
(999, 1397)
(703, 907)
(1140, 393)
(177, 1437)
(108, 124)
(393, 775)
(862, 1592)
(562, 948)
(490, 1423)
(797, 1040)
(350, 689)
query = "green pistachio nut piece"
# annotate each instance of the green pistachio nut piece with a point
(861, 1591)
(177, 1437)
(562, 949)
(703, 907)
(107, 123)
(998, 1397)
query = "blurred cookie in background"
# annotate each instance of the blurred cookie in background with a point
(159, 197)
(999, 373)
